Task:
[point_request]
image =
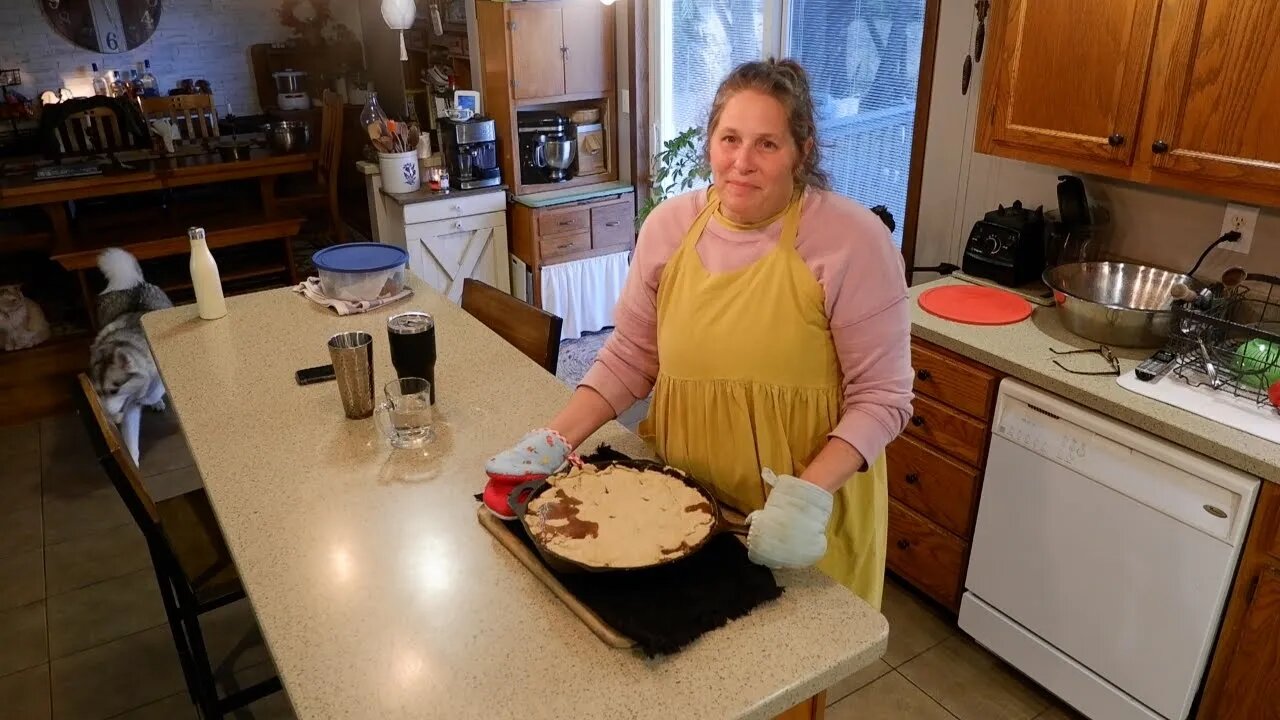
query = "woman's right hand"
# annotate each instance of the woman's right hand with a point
(537, 455)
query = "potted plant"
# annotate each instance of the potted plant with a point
(677, 167)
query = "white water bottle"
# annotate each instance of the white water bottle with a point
(204, 277)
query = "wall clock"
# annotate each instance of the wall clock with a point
(105, 26)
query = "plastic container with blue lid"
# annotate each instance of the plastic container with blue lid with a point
(361, 272)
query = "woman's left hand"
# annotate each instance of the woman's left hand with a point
(791, 530)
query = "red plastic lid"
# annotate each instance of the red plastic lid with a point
(975, 305)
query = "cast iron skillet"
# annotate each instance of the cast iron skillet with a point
(524, 494)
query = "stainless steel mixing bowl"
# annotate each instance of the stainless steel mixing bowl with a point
(1120, 304)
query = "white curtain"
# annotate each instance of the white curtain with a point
(583, 292)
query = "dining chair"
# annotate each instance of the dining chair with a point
(90, 126)
(192, 564)
(534, 332)
(194, 115)
(321, 191)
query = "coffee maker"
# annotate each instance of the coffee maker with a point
(548, 147)
(470, 152)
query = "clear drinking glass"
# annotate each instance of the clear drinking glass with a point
(406, 416)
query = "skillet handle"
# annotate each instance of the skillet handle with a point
(522, 494)
(735, 528)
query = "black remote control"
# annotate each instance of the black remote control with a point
(1155, 366)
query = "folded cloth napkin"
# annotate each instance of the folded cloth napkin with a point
(311, 289)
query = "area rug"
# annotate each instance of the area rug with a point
(576, 356)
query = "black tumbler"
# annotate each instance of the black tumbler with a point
(412, 339)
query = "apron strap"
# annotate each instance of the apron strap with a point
(790, 220)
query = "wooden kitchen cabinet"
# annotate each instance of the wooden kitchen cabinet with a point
(935, 471)
(452, 239)
(1245, 669)
(542, 236)
(1067, 77)
(1176, 93)
(536, 38)
(552, 55)
(1216, 95)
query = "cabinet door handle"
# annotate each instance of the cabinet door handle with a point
(924, 375)
(912, 478)
(1159, 147)
(903, 544)
(917, 421)
(612, 223)
(1115, 140)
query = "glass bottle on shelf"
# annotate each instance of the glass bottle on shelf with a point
(100, 86)
(150, 86)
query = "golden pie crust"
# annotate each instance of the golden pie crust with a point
(619, 517)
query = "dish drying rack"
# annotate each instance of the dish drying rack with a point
(1205, 338)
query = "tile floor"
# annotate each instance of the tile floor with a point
(83, 636)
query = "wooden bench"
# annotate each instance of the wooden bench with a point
(167, 237)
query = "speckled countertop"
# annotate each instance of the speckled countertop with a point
(378, 593)
(1022, 351)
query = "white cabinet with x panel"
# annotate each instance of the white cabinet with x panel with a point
(453, 237)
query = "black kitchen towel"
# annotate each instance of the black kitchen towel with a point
(665, 608)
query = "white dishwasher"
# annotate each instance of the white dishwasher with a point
(1102, 557)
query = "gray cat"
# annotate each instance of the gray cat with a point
(120, 363)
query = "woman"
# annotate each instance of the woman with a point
(769, 317)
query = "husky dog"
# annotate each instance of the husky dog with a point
(120, 363)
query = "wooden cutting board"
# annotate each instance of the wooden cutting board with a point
(529, 558)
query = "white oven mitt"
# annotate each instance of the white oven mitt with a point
(791, 530)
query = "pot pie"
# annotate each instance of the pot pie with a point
(619, 517)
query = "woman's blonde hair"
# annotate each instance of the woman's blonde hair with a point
(788, 83)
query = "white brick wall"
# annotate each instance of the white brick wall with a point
(207, 39)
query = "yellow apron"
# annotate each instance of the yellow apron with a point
(749, 378)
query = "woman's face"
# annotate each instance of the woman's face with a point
(753, 157)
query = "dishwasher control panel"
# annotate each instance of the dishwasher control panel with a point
(1190, 488)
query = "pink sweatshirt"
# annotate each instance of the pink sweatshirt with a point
(862, 275)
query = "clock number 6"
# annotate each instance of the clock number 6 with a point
(112, 43)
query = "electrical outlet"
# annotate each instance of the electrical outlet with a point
(1242, 219)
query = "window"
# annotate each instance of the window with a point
(863, 58)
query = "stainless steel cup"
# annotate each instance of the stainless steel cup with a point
(352, 355)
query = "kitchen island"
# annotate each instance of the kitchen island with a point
(378, 593)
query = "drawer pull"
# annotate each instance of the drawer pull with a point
(924, 375)
(458, 225)
(917, 421)
(566, 223)
(612, 223)
(564, 246)
(912, 478)
(903, 544)
(456, 208)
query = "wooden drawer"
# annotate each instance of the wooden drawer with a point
(612, 225)
(952, 432)
(933, 485)
(448, 208)
(925, 554)
(554, 247)
(954, 381)
(563, 222)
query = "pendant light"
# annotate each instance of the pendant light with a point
(399, 15)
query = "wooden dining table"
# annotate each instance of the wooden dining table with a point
(378, 593)
(156, 172)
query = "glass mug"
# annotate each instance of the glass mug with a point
(406, 416)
